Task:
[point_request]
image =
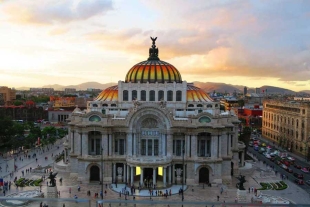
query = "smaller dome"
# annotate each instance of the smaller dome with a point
(109, 94)
(197, 95)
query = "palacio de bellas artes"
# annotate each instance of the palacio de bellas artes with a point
(153, 127)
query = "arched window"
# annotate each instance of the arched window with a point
(134, 95)
(113, 105)
(209, 106)
(95, 105)
(179, 96)
(152, 95)
(199, 105)
(190, 105)
(170, 96)
(160, 95)
(125, 95)
(105, 105)
(143, 95)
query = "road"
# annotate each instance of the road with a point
(282, 171)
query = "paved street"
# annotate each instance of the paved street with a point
(255, 173)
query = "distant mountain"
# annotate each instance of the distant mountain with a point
(82, 86)
(217, 87)
(207, 86)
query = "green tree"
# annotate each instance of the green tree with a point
(7, 131)
(241, 103)
(50, 131)
(18, 103)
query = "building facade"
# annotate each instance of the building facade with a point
(287, 124)
(153, 127)
(7, 96)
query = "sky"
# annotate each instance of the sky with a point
(250, 43)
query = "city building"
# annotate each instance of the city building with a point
(245, 91)
(229, 102)
(252, 116)
(287, 123)
(42, 90)
(257, 90)
(70, 90)
(153, 127)
(7, 96)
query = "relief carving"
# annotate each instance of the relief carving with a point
(149, 123)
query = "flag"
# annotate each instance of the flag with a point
(1, 181)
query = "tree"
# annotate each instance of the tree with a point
(7, 131)
(241, 103)
(18, 103)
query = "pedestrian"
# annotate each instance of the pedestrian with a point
(63, 205)
(218, 198)
(70, 190)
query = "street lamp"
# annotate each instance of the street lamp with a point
(183, 178)
(102, 172)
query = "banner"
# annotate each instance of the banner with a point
(1, 181)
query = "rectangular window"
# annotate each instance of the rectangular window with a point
(173, 147)
(143, 147)
(98, 147)
(92, 145)
(156, 147)
(202, 148)
(178, 148)
(208, 148)
(116, 146)
(121, 146)
(149, 147)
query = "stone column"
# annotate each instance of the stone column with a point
(131, 175)
(125, 173)
(169, 174)
(169, 145)
(134, 144)
(214, 146)
(104, 142)
(129, 144)
(110, 144)
(80, 144)
(154, 175)
(184, 174)
(187, 145)
(242, 158)
(114, 172)
(141, 176)
(173, 174)
(128, 174)
(194, 146)
(219, 147)
(165, 176)
(85, 144)
(72, 142)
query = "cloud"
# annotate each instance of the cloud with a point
(52, 11)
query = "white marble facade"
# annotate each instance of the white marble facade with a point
(153, 129)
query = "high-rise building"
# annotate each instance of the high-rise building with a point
(154, 126)
(245, 90)
(257, 90)
(287, 123)
(7, 95)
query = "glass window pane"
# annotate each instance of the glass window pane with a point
(125, 95)
(143, 147)
(152, 95)
(149, 147)
(134, 95)
(160, 95)
(155, 147)
(143, 95)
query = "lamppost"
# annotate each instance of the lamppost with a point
(183, 178)
(102, 172)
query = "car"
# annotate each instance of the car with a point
(268, 156)
(250, 144)
(272, 159)
(284, 166)
(278, 162)
(291, 158)
(289, 170)
(305, 170)
(299, 176)
(308, 182)
(262, 150)
(256, 147)
(297, 166)
(263, 144)
(299, 182)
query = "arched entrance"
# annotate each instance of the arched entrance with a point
(204, 175)
(94, 173)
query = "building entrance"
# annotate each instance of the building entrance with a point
(94, 173)
(204, 175)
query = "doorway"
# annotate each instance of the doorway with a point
(204, 175)
(94, 173)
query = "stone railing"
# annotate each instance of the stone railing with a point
(149, 160)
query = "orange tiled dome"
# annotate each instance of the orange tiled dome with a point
(153, 71)
(109, 94)
(197, 94)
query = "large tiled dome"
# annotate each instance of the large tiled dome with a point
(109, 94)
(153, 71)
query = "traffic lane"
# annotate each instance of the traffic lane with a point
(278, 168)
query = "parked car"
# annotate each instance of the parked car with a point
(284, 166)
(289, 170)
(297, 166)
(256, 147)
(262, 150)
(297, 175)
(263, 144)
(250, 144)
(268, 156)
(299, 182)
(305, 170)
(308, 182)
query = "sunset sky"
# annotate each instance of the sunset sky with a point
(251, 43)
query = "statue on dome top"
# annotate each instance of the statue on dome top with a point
(153, 51)
(153, 40)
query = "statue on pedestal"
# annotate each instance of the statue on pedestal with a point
(52, 178)
(242, 180)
